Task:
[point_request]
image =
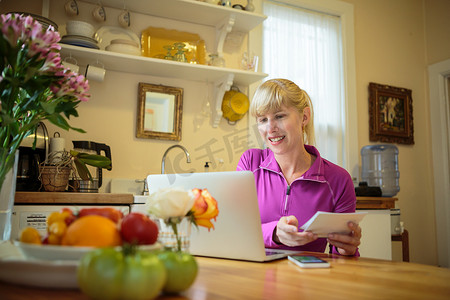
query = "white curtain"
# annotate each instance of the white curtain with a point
(306, 47)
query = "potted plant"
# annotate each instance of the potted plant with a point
(34, 87)
(55, 171)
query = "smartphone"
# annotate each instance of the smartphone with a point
(308, 261)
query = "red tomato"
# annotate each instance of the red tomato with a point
(137, 228)
(108, 212)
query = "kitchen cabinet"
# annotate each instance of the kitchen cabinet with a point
(376, 234)
(376, 241)
(223, 19)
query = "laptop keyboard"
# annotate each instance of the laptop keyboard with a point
(270, 252)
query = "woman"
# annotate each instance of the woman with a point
(293, 182)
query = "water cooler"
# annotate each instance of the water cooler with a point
(380, 168)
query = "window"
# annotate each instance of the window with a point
(310, 46)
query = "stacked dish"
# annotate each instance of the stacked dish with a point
(78, 40)
(80, 34)
(116, 39)
(124, 46)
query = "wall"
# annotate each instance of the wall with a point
(437, 29)
(395, 41)
(34, 7)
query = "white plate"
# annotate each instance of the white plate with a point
(106, 34)
(78, 40)
(53, 252)
(47, 274)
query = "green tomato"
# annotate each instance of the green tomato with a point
(181, 269)
(110, 274)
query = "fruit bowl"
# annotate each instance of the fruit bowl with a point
(55, 252)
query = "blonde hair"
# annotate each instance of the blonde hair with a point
(274, 93)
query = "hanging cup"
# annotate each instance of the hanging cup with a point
(124, 18)
(72, 64)
(71, 8)
(95, 72)
(99, 13)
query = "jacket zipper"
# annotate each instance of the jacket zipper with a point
(288, 192)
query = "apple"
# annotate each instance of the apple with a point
(181, 270)
(137, 228)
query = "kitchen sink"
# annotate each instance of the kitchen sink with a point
(131, 186)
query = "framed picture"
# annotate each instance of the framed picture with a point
(159, 112)
(390, 114)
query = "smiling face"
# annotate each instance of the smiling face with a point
(284, 113)
(281, 129)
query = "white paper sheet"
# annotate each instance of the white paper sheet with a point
(323, 223)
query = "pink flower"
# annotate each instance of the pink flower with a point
(71, 85)
(34, 84)
(35, 55)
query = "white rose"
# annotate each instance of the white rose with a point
(170, 202)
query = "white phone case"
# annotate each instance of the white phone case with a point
(310, 262)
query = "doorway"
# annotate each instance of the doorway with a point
(439, 83)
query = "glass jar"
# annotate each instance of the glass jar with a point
(180, 55)
(216, 61)
(175, 233)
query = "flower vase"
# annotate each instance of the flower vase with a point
(7, 194)
(175, 233)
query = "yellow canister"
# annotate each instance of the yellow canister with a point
(234, 105)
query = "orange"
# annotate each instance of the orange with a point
(30, 235)
(93, 231)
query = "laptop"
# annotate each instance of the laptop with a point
(237, 234)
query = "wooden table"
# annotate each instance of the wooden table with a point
(348, 278)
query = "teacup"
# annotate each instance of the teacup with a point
(95, 72)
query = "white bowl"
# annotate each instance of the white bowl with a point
(56, 252)
(125, 42)
(79, 28)
(123, 48)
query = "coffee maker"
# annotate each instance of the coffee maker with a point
(30, 158)
(87, 186)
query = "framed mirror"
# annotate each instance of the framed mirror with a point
(159, 112)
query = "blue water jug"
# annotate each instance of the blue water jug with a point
(380, 168)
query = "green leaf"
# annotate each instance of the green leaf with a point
(49, 107)
(94, 160)
(82, 170)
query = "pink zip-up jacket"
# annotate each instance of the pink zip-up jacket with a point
(324, 187)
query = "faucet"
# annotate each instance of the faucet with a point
(163, 162)
(145, 191)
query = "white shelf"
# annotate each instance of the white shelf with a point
(158, 67)
(223, 19)
(221, 78)
(189, 11)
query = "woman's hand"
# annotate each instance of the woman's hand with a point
(287, 233)
(346, 244)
